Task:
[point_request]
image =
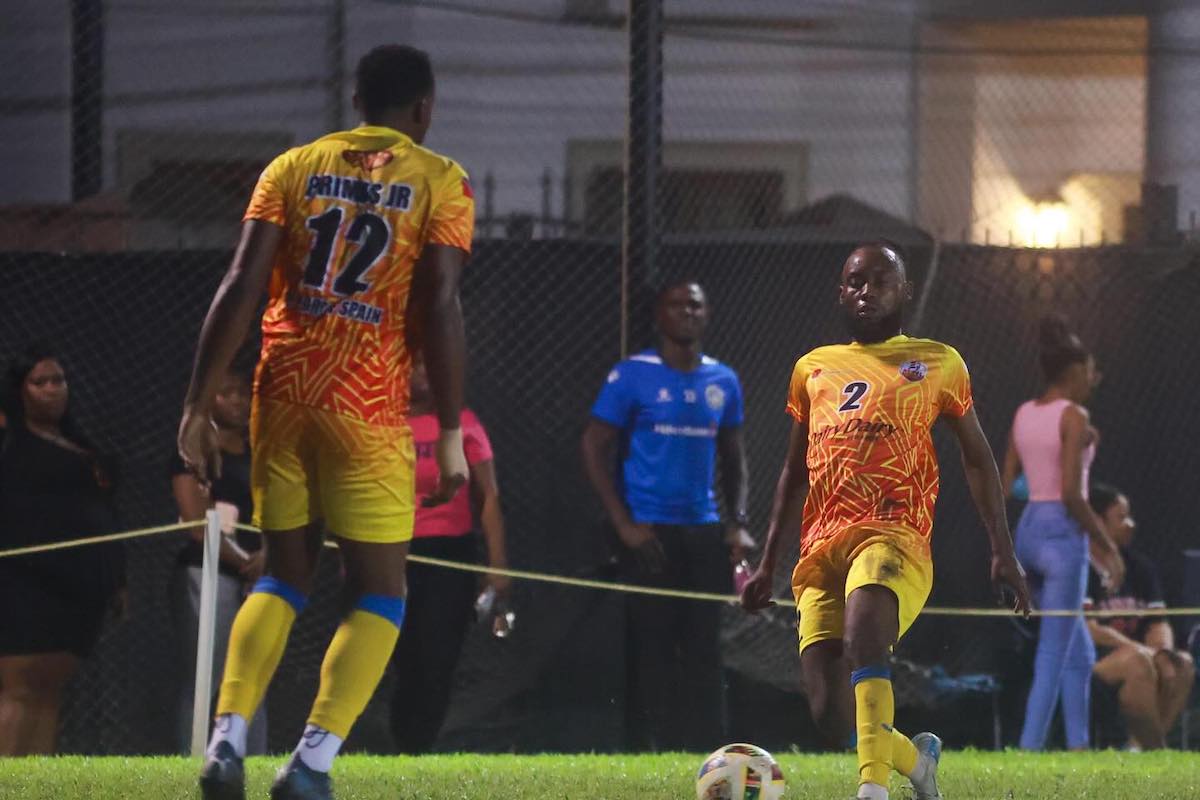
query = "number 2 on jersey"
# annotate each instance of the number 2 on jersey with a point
(854, 394)
(369, 232)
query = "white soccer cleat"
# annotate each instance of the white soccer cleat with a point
(924, 777)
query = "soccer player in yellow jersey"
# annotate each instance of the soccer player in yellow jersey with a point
(359, 239)
(861, 451)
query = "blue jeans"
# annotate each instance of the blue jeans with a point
(1053, 549)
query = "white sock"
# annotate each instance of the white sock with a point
(872, 791)
(318, 747)
(229, 728)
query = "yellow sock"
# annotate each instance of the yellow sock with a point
(355, 662)
(904, 753)
(874, 711)
(256, 642)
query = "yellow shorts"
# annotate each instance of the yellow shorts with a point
(875, 554)
(308, 464)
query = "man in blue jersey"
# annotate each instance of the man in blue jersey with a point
(668, 412)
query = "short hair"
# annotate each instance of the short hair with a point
(392, 76)
(1058, 347)
(1102, 497)
(661, 294)
(896, 248)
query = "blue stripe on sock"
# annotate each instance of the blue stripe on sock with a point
(290, 594)
(873, 671)
(390, 608)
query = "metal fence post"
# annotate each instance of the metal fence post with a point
(643, 158)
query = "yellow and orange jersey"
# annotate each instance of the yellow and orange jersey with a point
(357, 208)
(869, 410)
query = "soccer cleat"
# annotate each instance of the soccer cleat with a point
(222, 777)
(924, 781)
(298, 781)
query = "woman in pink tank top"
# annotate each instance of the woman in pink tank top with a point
(442, 601)
(1054, 444)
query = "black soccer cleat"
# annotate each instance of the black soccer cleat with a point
(223, 777)
(298, 781)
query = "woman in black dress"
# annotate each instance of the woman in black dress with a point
(54, 486)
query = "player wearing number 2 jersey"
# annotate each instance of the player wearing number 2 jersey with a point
(362, 235)
(861, 445)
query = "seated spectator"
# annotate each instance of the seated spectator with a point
(1137, 654)
(441, 601)
(241, 556)
(54, 486)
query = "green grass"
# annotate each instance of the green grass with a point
(969, 774)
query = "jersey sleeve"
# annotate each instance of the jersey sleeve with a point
(798, 400)
(735, 406)
(269, 200)
(954, 398)
(615, 402)
(476, 445)
(452, 220)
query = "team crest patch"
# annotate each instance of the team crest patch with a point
(914, 370)
(367, 159)
(715, 397)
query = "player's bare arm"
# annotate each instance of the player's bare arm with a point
(598, 446)
(735, 479)
(436, 311)
(224, 330)
(787, 512)
(983, 478)
(1012, 466)
(1074, 441)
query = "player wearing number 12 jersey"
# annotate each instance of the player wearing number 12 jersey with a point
(359, 239)
(861, 446)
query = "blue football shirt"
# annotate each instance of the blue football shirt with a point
(669, 422)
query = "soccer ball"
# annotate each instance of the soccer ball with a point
(739, 772)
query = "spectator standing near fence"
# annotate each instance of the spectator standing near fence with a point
(670, 412)
(1053, 442)
(441, 600)
(1136, 654)
(55, 485)
(241, 556)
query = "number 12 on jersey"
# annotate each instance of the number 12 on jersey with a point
(370, 234)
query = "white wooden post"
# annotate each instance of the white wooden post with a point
(204, 640)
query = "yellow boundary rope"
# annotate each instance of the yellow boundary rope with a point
(586, 583)
(111, 537)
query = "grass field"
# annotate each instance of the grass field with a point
(1100, 775)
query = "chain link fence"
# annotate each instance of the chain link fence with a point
(990, 149)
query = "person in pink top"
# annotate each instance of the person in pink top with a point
(1053, 441)
(441, 600)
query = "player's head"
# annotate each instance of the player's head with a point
(36, 387)
(681, 312)
(1112, 506)
(231, 405)
(1066, 364)
(394, 87)
(874, 291)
